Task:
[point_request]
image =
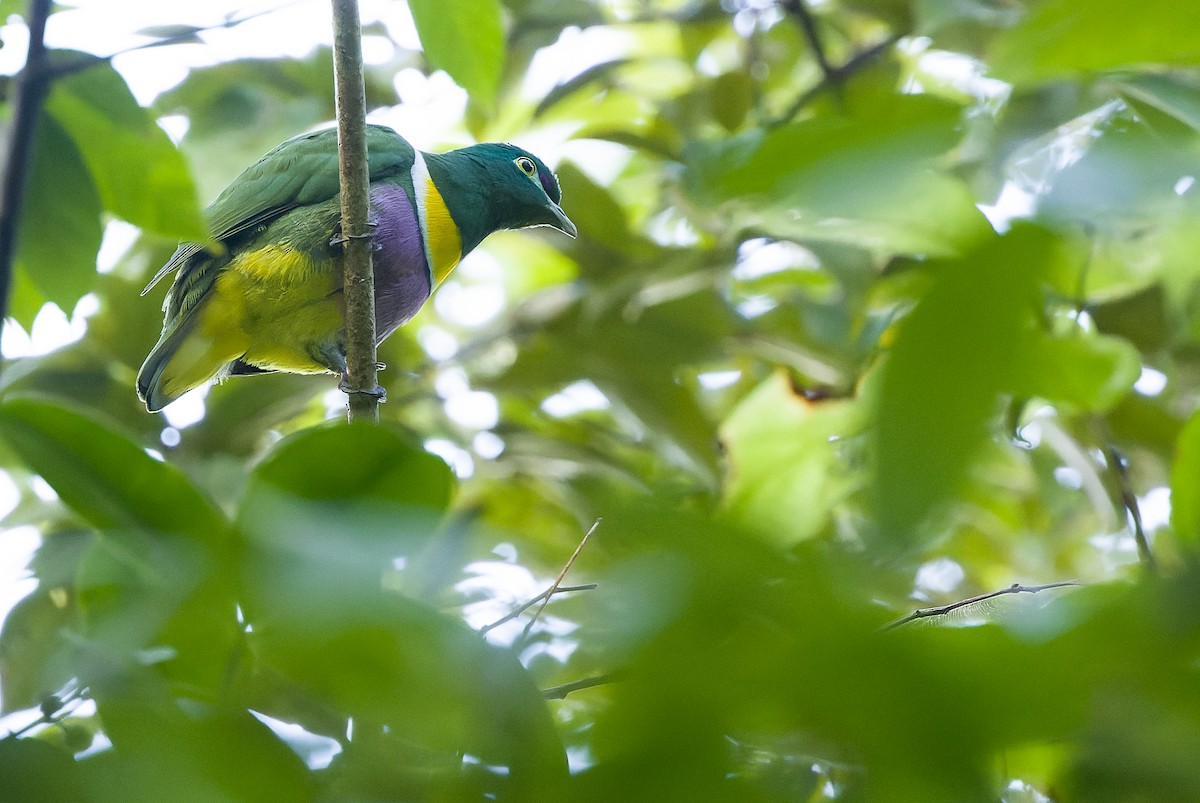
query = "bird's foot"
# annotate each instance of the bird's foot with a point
(379, 393)
(340, 239)
(380, 366)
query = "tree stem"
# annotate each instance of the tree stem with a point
(32, 87)
(359, 287)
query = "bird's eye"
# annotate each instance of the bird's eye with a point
(527, 166)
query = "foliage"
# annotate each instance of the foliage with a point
(875, 306)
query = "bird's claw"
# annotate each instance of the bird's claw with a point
(340, 239)
(379, 393)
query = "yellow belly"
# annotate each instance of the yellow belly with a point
(267, 308)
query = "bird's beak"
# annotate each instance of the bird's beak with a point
(560, 220)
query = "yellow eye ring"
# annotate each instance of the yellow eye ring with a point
(526, 166)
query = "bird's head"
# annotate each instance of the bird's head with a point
(511, 188)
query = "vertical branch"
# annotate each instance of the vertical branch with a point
(32, 86)
(361, 380)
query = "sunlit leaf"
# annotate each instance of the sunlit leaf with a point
(466, 39)
(785, 467)
(1060, 38)
(108, 480)
(60, 224)
(139, 173)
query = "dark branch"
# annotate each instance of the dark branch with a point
(1129, 501)
(560, 692)
(799, 10)
(33, 84)
(942, 610)
(361, 378)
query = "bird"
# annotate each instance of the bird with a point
(265, 293)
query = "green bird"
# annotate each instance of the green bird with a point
(266, 294)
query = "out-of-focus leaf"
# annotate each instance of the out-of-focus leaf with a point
(1088, 373)
(867, 178)
(939, 387)
(32, 656)
(140, 174)
(731, 96)
(1061, 38)
(325, 548)
(466, 39)
(60, 224)
(105, 478)
(1174, 94)
(200, 754)
(785, 471)
(31, 769)
(1185, 482)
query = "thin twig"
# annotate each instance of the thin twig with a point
(942, 610)
(557, 580)
(33, 84)
(836, 77)
(1129, 500)
(358, 292)
(549, 592)
(799, 10)
(560, 692)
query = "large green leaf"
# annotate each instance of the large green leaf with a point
(60, 224)
(785, 466)
(1064, 37)
(331, 519)
(31, 769)
(140, 174)
(1185, 483)
(466, 39)
(867, 177)
(198, 753)
(107, 479)
(940, 384)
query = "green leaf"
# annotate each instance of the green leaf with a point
(1174, 94)
(60, 224)
(330, 520)
(940, 384)
(31, 769)
(1090, 373)
(866, 178)
(785, 468)
(140, 174)
(32, 664)
(1059, 38)
(107, 479)
(201, 753)
(1185, 483)
(466, 39)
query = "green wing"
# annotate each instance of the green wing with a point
(301, 171)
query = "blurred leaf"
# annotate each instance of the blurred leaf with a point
(140, 174)
(105, 478)
(30, 769)
(867, 179)
(785, 470)
(1174, 94)
(1088, 373)
(33, 662)
(939, 386)
(466, 39)
(324, 552)
(1185, 482)
(1058, 38)
(201, 753)
(60, 225)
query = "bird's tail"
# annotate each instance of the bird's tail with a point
(182, 359)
